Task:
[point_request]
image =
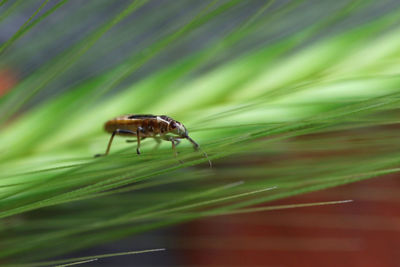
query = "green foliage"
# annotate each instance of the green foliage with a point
(277, 116)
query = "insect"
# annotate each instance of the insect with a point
(149, 126)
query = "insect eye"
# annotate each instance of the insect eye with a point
(173, 125)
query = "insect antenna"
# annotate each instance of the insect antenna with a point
(197, 148)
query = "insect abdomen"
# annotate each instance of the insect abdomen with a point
(148, 125)
(121, 124)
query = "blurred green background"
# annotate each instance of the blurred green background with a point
(286, 98)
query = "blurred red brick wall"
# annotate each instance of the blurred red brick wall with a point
(364, 233)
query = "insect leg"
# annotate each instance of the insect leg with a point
(117, 131)
(174, 148)
(158, 140)
(172, 140)
(177, 141)
(139, 129)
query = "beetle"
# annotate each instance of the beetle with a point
(158, 127)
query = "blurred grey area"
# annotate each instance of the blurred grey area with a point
(154, 21)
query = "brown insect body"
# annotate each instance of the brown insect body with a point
(143, 126)
(149, 125)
